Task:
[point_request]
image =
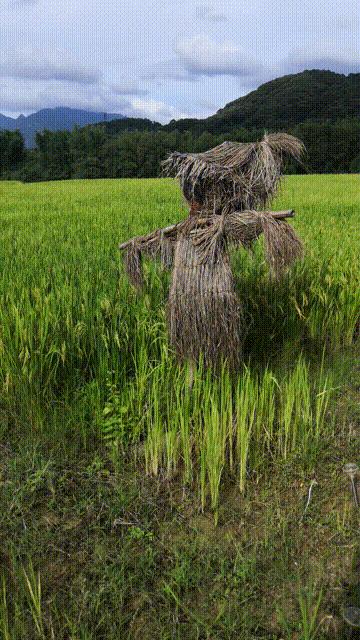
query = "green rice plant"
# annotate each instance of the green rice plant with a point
(226, 410)
(220, 423)
(303, 410)
(214, 443)
(201, 393)
(154, 444)
(287, 429)
(81, 350)
(266, 412)
(295, 418)
(202, 477)
(309, 603)
(4, 612)
(322, 400)
(183, 419)
(245, 408)
(302, 417)
(33, 594)
(171, 450)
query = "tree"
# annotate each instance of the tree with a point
(12, 150)
(54, 154)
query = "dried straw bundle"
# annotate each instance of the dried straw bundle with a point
(156, 245)
(204, 314)
(242, 228)
(223, 187)
(203, 311)
(132, 259)
(233, 176)
(282, 246)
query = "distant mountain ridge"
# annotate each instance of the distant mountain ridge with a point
(285, 102)
(59, 118)
(280, 104)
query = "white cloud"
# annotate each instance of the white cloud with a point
(168, 70)
(127, 88)
(348, 23)
(155, 110)
(27, 96)
(52, 64)
(207, 107)
(137, 39)
(325, 56)
(206, 12)
(202, 56)
(16, 4)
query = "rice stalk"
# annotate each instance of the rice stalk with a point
(246, 401)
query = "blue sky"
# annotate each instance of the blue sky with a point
(164, 59)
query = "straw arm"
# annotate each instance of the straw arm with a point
(151, 237)
(168, 231)
(276, 215)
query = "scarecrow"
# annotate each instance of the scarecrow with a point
(224, 188)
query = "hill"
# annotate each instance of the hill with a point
(322, 96)
(116, 127)
(321, 108)
(60, 118)
(314, 95)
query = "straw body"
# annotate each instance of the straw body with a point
(203, 311)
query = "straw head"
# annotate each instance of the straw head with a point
(233, 175)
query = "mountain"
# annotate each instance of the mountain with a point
(6, 123)
(53, 119)
(322, 96)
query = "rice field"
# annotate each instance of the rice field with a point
(84, 357)
(72, 326)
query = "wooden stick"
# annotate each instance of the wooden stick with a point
(281, 215)
(278, 215)
(148, 238)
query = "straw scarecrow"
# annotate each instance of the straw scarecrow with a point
(223, 187)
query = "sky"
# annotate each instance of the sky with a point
(164, 59)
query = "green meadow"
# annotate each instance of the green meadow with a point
(134, 505)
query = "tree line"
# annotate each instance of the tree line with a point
(96, 151)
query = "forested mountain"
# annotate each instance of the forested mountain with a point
(287, 101)
(320, 96)
(115, 127)
(322, 108)
(53, 120)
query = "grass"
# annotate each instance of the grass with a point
(134, 506)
